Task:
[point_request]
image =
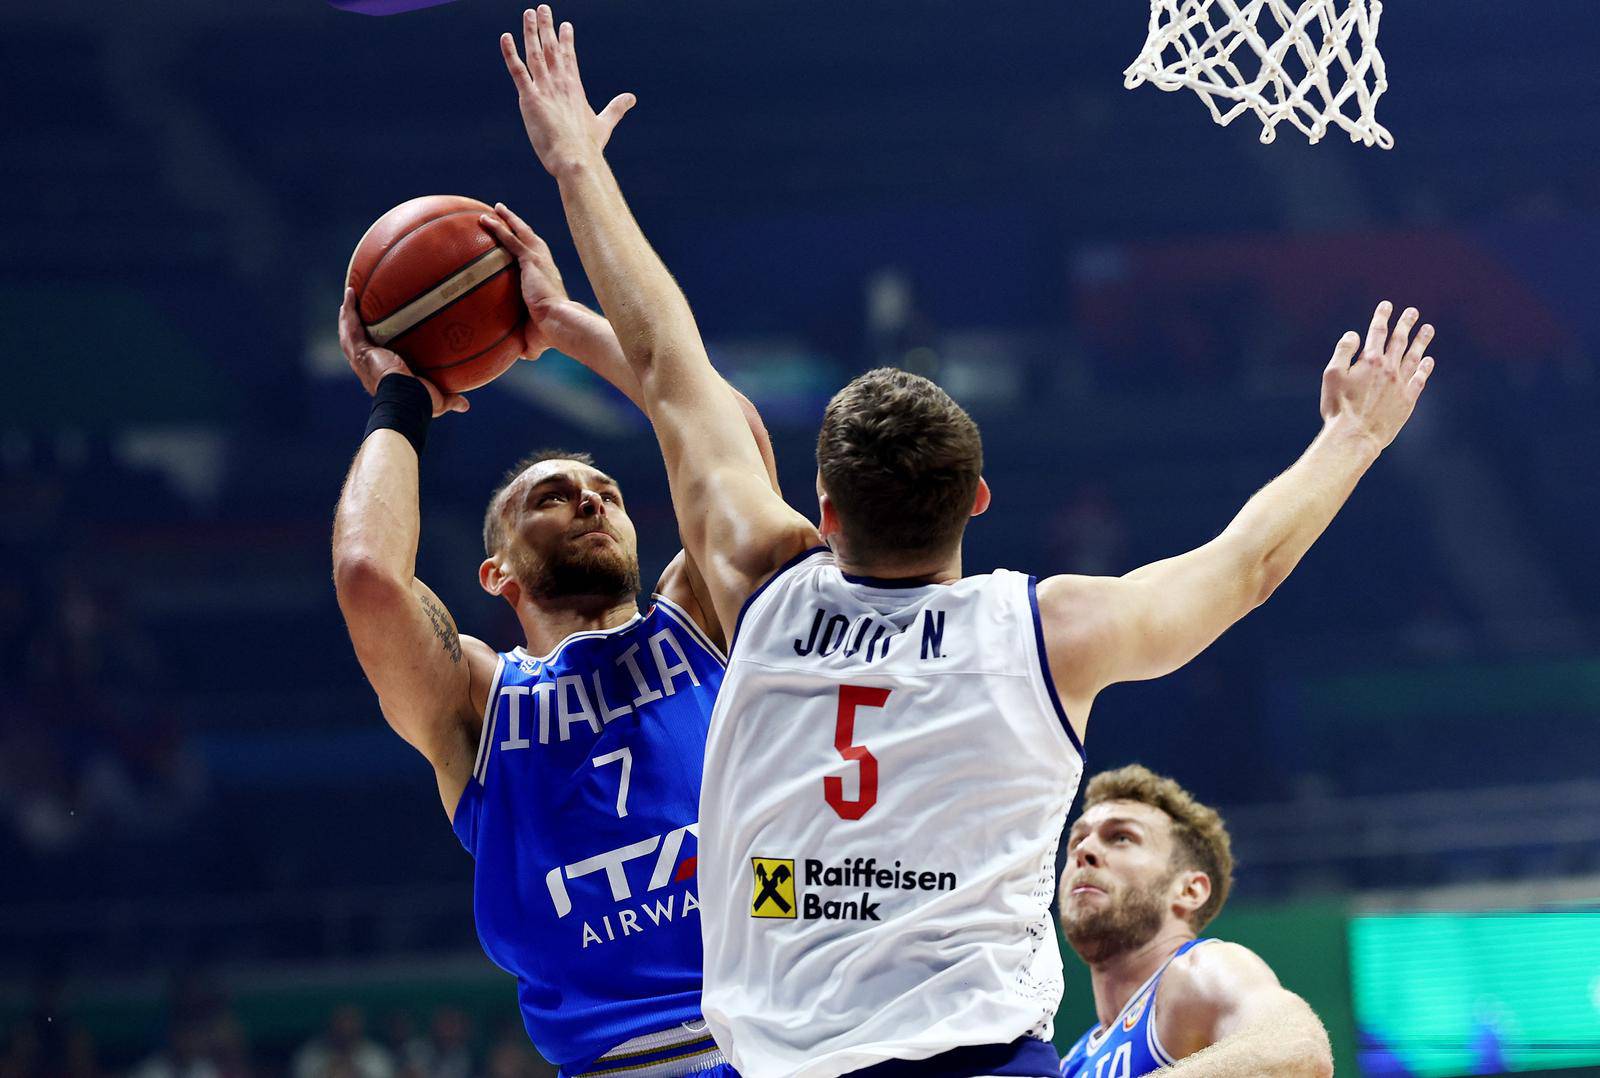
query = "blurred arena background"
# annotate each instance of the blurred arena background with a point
(215, 859)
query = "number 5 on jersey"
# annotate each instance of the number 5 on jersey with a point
(852, 697)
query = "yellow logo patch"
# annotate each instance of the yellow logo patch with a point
(774, 887)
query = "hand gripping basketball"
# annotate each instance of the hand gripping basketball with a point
(1377, 393)
(562, 127)
(541, 283)
(371, 363)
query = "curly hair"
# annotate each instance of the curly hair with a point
(1200, 839)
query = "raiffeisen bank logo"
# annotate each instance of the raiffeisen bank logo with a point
(662, 852)
(777, 891)
(774, 891)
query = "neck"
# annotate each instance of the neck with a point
(545, 623)
(939, 569)
(1117, 978)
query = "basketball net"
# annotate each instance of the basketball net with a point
(1314, 63)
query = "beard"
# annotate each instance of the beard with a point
(1127, 921)
(579, 570)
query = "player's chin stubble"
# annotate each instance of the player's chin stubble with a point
(570, 571)
(1101, 934)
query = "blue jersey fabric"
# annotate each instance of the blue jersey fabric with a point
(582, 816)
(1129, 1046)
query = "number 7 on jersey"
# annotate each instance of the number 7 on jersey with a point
(852, 697)
(625, 755)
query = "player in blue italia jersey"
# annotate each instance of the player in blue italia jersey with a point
(569, 766)
(1148, 868)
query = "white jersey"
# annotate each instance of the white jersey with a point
(887, 777)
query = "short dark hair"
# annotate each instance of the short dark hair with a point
(901, 462)
(493, 533)
(1200, 839)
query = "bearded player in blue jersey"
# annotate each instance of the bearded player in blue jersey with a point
(1148, 867)
(569, 766)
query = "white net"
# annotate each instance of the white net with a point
(1314, 63)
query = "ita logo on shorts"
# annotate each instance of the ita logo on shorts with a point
(774, 887)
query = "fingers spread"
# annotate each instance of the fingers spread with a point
(530, 44)
(502, 234)
(1414, 354)
(547, 38)
(1401, 337)
(352, 334)
(1343, 352)
(1419, 380)
(616, 110)
(1378, 331)
(518, 70)
(519, 227)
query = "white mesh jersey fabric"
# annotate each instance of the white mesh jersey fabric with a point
(915, 891)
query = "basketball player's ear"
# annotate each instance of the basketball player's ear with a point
(493, 578)
(1194, 889)
(827, 515)
(980, 501)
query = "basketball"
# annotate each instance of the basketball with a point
(434, 286)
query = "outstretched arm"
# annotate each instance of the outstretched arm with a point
(1224, 1013)
(554, 320)
(733, 525)
(1101, 630)
(405, 639)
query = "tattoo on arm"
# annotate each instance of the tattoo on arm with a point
(443, 627)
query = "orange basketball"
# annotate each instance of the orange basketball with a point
(432, 284)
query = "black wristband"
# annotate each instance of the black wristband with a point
(401, 404)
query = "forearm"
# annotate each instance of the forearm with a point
(646, 308)
(588, 338)
(377, 523)
(1278, 525)
(1293, 1053)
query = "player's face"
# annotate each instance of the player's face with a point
(1116, 892)
(568, 533)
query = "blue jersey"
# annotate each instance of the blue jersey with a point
(582, 814)
(1130, 1045)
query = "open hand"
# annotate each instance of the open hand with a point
(555, 111)
(1377, 393)
(541, 281)
(372, 363)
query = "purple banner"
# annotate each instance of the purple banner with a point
(384, 7)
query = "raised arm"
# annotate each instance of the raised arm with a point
(733, 524)
(406, 641)
(1101, 630)
(1223, 1012)
(556, 321)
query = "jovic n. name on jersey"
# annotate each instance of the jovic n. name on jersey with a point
(886, 780)
(581, 815)
(1130, 1046)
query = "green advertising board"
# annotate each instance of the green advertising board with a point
(1441, 994)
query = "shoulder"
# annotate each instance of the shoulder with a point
(1086, 625)
(1214, 971)
(1207, 990)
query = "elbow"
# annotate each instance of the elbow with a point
(1266, 570)
(362, 583)
(1315, 1054)
(1264, 580)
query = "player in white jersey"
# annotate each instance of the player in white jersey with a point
(895, 748)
